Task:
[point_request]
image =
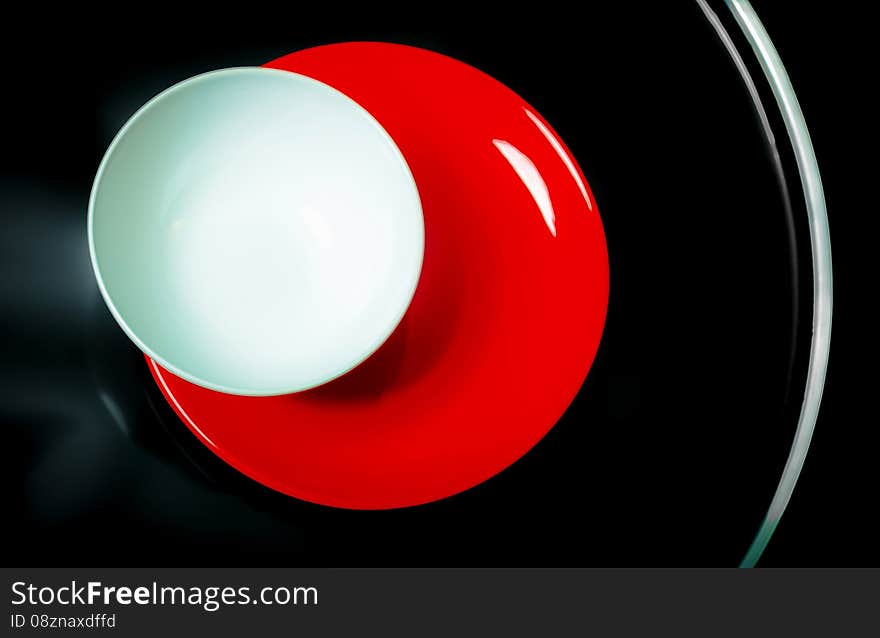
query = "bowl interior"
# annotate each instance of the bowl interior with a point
(256, 231)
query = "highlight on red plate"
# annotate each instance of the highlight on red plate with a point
(501, 331)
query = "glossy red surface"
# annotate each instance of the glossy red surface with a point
(503, 327)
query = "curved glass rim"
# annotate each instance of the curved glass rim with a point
(820, 247)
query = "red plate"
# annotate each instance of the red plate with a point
(502, 329)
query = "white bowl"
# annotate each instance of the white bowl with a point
(255, 231)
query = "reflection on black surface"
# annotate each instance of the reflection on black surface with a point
(86, 446)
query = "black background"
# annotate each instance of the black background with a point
(671, 452)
